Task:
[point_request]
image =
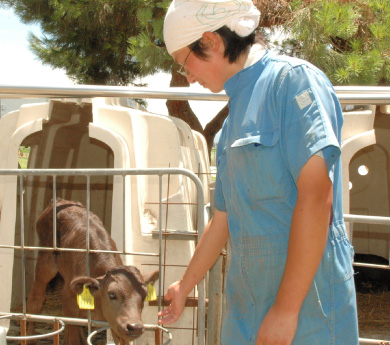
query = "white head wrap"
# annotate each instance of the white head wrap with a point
(187, 20)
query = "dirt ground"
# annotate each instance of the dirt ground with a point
(373, 299)
(374, 315)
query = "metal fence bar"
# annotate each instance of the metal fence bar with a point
(55, 212)
(362, 264)
(354, 218)
(91, 335)
(124, 213)
(364, 341)
(90, 91)
(373, 95)
(87, 232)
(62, 320)
(38, 336)
(47, 318)
(23, 256)
(160, 239)
(87, 241)
(77, 250)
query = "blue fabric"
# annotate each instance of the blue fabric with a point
(282, 111)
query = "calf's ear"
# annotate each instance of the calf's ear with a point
(78, 283)
(151, 277)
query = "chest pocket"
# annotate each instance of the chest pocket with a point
(256, 164)
(268, 140)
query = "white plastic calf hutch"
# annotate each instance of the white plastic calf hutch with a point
(102, 134)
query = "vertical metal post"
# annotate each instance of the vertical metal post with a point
(201, 285)
(87, 243)
(23, 254)
(157, 336)
(124, 210)
(161, 293)
(54, 212)
(215, 294)
(87, 220)
(56, 337)
(23, 331)
(23, 322)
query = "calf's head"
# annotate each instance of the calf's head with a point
(121, 292)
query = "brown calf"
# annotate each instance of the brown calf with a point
(119, 291)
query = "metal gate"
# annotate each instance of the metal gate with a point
(22, 175)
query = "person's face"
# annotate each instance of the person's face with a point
(211, 72)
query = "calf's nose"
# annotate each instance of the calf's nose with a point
(135, 328)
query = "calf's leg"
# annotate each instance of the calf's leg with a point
(45, 270)
(74, 335)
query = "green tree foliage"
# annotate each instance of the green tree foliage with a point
(348, 40)
(147, 46)
(89, 39)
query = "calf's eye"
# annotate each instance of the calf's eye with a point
(111, 296)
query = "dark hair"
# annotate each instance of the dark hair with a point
(234, 44)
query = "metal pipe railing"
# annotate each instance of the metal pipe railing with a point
(373, 95)
(92, 334)
(90, 91)
(354, 218)
(32, 337)
(46, 318)
(364, 341)
(66, 320)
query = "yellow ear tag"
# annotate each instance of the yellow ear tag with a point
(151, 296)
(85, 300)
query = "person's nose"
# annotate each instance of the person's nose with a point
(191, 79)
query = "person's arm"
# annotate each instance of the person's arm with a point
(308, 236)
(206, 253)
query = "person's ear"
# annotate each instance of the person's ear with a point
(210, 40)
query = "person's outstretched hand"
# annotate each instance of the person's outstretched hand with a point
(178, 300)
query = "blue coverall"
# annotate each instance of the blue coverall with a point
(282, 111)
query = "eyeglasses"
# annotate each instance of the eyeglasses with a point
(181, 70)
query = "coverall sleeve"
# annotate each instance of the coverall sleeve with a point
(312, 118)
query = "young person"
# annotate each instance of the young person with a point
(278, 192)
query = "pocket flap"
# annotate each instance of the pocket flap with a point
(266, 139)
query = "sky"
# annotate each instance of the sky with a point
(18, 66)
